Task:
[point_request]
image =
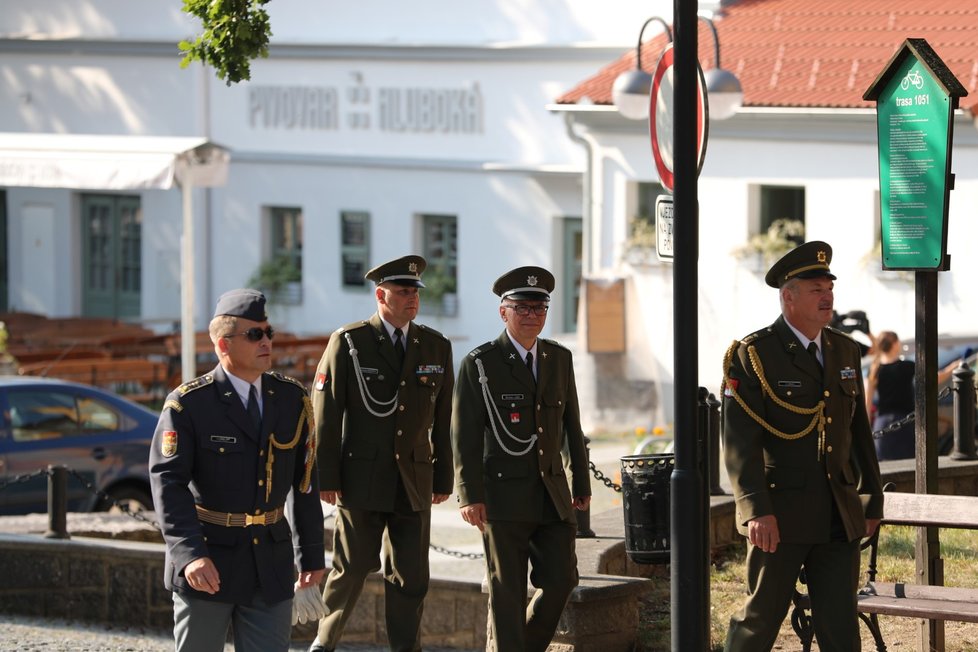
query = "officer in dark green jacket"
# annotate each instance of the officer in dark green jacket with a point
(800, 456)
(382, 399)
(515, 423)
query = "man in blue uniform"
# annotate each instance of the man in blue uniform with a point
(229, 448)
(383, 399)
(515, 419)
(800, 457)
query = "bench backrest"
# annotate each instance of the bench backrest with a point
(930, 510)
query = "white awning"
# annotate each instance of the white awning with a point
(91, 162)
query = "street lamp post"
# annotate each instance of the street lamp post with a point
(689, 531)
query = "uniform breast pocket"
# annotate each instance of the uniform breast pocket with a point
(515, 412)
(220, 457)
(797, 391)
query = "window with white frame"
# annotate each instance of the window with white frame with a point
(439, 234)
(777, 203)
(280, 274)
(355, 248)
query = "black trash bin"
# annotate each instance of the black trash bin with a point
(645, 500)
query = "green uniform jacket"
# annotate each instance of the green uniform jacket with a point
(797, 480)
(506, 481)
(362, 454)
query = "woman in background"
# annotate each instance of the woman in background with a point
(891, 379)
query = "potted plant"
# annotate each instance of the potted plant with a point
(640, 245)
(764, 249)
(280, 279)
(440, 292)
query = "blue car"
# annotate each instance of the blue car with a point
(102, 438)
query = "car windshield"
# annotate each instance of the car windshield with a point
(38, 415)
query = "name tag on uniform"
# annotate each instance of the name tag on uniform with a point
(368, 371)
(789, 383)
(847, 373)
(221, 439)
(512, 397)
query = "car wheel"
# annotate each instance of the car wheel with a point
(134, 498)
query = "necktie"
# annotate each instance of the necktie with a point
(253, 410)
(813, 350)
(529, 364)
(399, 346)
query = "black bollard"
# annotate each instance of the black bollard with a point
(964, 413)
(584, 530)
(714, 425)
(57, 503)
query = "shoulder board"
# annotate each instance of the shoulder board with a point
(429, 329)
(554, 343)
(836, 331)
(287, 379)
(757, 335)
(351, 327)
(196, 383)
(482, 348)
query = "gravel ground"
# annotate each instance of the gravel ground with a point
(23, 634)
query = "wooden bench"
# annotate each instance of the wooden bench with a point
(908, 600)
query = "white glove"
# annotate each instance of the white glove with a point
(308, 605)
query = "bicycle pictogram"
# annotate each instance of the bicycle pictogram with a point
(913, 77)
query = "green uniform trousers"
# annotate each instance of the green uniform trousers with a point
(357, 542)
(549, 549)
(832, 573)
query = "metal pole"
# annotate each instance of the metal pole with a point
(964, 413)
(688, 566)
(188, 336)
(57, 503)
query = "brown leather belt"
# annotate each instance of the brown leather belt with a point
(239, 520)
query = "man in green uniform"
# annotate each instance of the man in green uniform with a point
(515, 418)
(800, 456)
(382, 402)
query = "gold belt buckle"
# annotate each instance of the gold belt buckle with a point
(258, 519)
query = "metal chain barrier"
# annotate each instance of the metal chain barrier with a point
(601, 477)
(896, 425)
(24, 477)
(456, 553)
(105, 497)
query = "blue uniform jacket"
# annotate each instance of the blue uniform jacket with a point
(206, 452)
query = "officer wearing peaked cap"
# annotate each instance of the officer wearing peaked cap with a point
(515, 416)
(228, 449)
(800, 456)
(382, 398)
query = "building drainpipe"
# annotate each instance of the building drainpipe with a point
(588, 199)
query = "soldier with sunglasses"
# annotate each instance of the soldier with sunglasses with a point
(229, 448)
(383, 400)
(515, 418)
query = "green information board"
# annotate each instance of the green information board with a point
(913, 119)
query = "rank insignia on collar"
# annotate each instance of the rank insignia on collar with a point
(792, 345)
(415, 340)
(168, 445)
(512, 356)
(228, 394)
(544, 354)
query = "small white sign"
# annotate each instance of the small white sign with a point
(663, 227)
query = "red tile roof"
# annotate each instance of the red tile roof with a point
(815, 53)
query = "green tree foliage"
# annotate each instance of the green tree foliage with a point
(235, 32)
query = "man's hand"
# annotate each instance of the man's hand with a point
(330, 496)
(763, 532)
(475, 514)
(581, 503)
(202, 575)
(438, 499)
(310, 578)
(871, 525)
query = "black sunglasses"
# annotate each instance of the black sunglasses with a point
(254, 333)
